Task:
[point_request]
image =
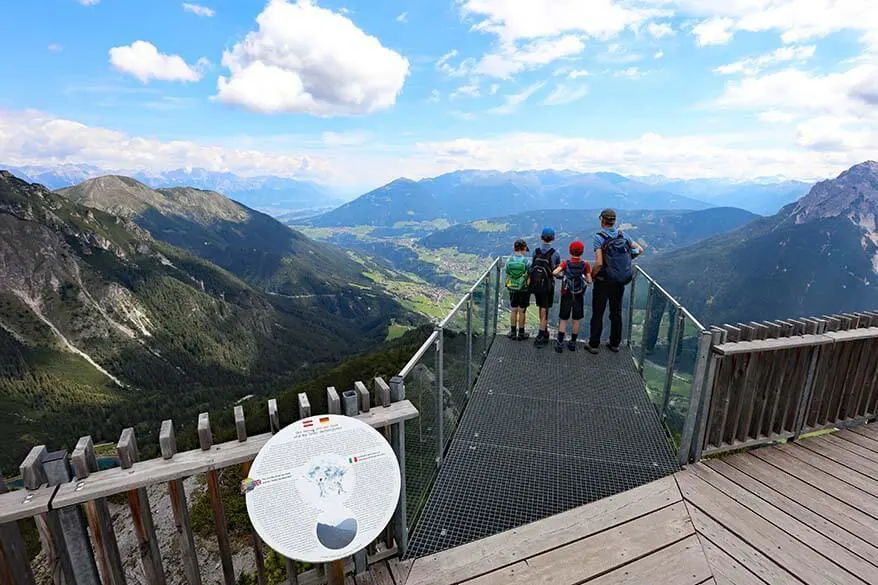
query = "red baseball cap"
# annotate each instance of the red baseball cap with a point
(577, 248)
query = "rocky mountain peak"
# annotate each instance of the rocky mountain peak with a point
(853, 194)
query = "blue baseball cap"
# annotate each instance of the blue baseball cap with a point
(548, 233)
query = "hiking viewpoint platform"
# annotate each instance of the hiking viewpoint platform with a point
(543, 433)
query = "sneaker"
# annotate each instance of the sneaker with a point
(592, 350)
(613, 348)
(559, 346)
(512, 335)
(539, 341)
(571, 345)
(523, 335)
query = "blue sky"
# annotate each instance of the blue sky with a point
(358, 92)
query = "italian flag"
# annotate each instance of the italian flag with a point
(352, 459)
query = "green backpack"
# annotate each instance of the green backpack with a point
(516, 274)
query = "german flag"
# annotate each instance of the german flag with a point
(324, 420)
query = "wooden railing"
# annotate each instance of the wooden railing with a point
(67, 497)
(770, 381)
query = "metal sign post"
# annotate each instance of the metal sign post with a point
(322, 489)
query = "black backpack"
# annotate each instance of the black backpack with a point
(541, 279)
(574, 277)
(617, 266)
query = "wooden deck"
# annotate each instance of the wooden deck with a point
(789, 514)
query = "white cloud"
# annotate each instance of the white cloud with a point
(308, 59)
(577, 73)
(144, 61)
(754, 65)
(716, 31)
(629, 73)
(513, 101)
(444, 66)
(88, 2)
(434, 96)
(511, 20)
(494, 88)
(471, 89)
(404, 17)
(832, 134)
(659, 30)
(658, 55)
(776, 117)
(508, 59)
(565, 94)
(55, 48)
(198, 9)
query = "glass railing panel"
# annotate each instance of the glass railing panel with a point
(656, 336)
(637, 294)
(480, 324)
(455, 373)
(495, 288)
(421, 433)
(680, 392)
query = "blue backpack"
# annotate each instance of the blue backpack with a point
(617, 266)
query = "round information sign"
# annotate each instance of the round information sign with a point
(322, 488)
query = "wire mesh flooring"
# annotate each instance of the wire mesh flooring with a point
(542, 433)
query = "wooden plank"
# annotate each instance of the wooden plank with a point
(602, 552)
(682, 563)
(869, 430)
(273, 416)
(180, 508)
(498, 551)
(240, 424)
(333, 402)
(381, 574)
(863, 452)
(797, 509)
(841, 454)
(858, 439)
(399, 570)
(22, 504)
(205, 439)
(363, 394)
(755, 561)
(382, 392)
(797, 558)
(15, 567)
(773, 344)
(853, 334)
(831, 467)
(188, 463)
(727, 570)
(839, 513)
(833, 551)
(821, 480)
(304, 406)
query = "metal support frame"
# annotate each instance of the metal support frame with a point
(631, 309)
(440, 398)
(486, 316)
(676, 338)
(397, 441)
(496, 307)
(647, 318)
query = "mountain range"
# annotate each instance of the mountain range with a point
(469, 195)
(273, 194)
(764, 196)
(655, 230)
(816, 256)
(114, 308)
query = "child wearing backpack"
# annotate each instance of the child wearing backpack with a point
(575, 275)
(518, 285)
(542, 282)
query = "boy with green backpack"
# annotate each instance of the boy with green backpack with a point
(518, 285)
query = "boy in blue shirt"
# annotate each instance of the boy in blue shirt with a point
(542, 281)
(518, 285)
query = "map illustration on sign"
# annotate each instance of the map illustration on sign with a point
(322, 488)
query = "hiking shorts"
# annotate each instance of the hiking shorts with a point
(572, 304)
(545, 300)
(519, 299)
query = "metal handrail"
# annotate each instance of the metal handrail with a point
(484, 275)
(667, 295)
(407, 369)
(454, 311)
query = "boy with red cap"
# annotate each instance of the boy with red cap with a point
(575, 275)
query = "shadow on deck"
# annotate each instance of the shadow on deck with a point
(543, 433)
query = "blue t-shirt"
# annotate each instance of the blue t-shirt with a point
(542, 248)
(612, 232)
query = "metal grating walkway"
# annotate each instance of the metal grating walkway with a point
(525, 451)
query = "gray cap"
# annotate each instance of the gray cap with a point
(608, 214)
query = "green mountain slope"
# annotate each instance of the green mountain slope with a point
(657, 230)
(817, 256)
(103, 326)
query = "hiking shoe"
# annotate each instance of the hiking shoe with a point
(512, 335)
(539, 341)
(613, 348)
(523, 335)
(592, 350)
(559, 346)
(571, 345)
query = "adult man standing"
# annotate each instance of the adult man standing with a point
(612, 270)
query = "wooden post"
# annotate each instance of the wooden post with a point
(99, 520)
(273, 419)
(205, 439)
(258, 552)
(240, 424)
(185, 538)
(15, 568)
(382, 398)
(333, 403)
(33, 475)
(397, 441)
(363, 393)
(360, 564)
(697, 406)
(350, 403)
(141, 515)
(304, 406)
